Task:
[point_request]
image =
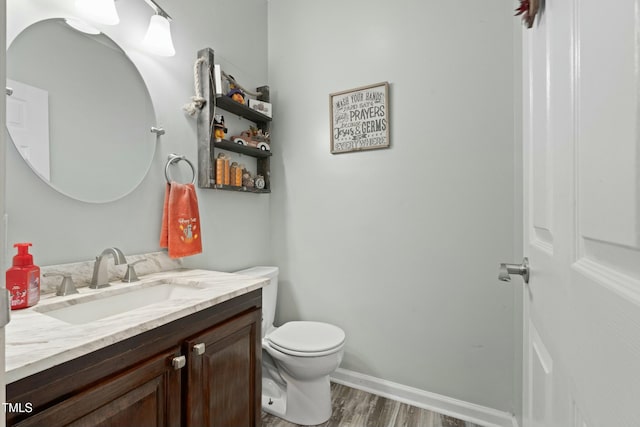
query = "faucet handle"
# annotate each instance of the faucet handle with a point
(130, 275)
(66, 287)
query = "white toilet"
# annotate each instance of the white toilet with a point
(297, 359)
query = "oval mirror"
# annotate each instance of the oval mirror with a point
(80, 113)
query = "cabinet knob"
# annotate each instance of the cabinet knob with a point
(199, 349)
(178, 362)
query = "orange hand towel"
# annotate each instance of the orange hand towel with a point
(180, 231)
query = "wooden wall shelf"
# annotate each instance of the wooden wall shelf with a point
(241, 110)
(225, 144)
(207, 143)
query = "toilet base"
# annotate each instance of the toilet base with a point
(299, 402)
(274, 401)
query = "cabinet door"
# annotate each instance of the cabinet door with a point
(224, 374)
(147, 395)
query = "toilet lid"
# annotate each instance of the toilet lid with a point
(307, 337)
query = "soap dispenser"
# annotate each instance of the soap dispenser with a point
(23, 279)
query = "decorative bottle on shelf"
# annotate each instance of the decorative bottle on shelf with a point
(236, 177)
(232, 173)
(222, 170)
(23, 279)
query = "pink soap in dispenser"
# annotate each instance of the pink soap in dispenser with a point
(23, 279)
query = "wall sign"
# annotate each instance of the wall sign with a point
(360, 118)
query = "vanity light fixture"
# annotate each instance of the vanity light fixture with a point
(158, 38)
(100, 11)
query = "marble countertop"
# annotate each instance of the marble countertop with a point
(36, 341)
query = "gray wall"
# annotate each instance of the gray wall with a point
(235, 226)
(400, 247)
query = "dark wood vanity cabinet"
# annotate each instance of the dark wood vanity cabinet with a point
(147, 394)
(201, 370)
(224, 381)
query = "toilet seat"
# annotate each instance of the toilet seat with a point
(307, 339)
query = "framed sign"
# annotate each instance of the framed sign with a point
(360, 118)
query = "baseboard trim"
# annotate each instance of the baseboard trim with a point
(466, 411)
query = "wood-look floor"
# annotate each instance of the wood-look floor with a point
(356, 408)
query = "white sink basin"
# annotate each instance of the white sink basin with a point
(107, 303)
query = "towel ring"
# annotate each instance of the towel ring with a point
(173, 158)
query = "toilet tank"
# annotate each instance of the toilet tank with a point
(269, 293)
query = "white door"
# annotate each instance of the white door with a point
(28, 124)
(581, 123)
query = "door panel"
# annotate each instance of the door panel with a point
(608, 188)
(540, 158)
(540, 380)
(607, 123)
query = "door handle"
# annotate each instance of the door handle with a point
(506, 270)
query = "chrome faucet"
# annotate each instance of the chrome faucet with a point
(100, 277)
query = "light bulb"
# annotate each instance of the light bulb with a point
(158, 38)
(100, 11)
